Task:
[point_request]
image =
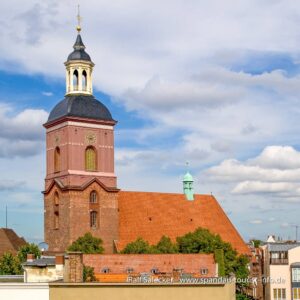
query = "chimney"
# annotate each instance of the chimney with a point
(30, 257)
(59, 259)
(73, 271)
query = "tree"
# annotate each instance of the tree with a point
(9, 265)
(87, 244)
(88, 274)
(203, 241)
(28, 249)
(139, 246)
(256, 243)
(165, 245)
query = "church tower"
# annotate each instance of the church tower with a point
(80, 186)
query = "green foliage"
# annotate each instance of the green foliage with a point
(256, 243)
(219, 258)
(241, 270)
(87, 244)
(9, 265)
(199, 241)
(28, 249)
(241, 297)
(139, 246)
(88, 274)
(165, 245)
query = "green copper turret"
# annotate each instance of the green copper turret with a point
(188, 189)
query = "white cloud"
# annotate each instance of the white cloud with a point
(275, 171)
(21, 134)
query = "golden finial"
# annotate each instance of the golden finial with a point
(78, 28)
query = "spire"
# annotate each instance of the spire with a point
(78, 28)
(188, 181)
(79, 66)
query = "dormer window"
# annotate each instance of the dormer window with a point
(105, 270)
(129, 270)
(154, 271)
(204, 271)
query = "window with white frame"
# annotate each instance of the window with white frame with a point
(296, 274)
(279, 294)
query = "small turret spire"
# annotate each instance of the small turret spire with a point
(188, 181)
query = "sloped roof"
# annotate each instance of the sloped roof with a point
(277, 247)
(10, 241)
(144, 263)
(152, 215)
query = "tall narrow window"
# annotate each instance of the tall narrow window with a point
(84, 80)
(56, 199)
(93, 219)
(75, 80)
(56, 210)
(90, 159)
(56, 220)
(93, 197)
(57, 159)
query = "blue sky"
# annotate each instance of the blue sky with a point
(215, 84)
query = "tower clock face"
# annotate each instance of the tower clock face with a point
(90, 138)
(56, 140)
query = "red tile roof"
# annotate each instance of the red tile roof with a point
(9, 241)
(144, 263)
(151, 215)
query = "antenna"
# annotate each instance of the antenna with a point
(296, 228)
(78, 19)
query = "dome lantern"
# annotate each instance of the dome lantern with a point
(79, 68)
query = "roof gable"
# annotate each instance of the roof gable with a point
(10, 241)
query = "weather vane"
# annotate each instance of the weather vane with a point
(79, 20)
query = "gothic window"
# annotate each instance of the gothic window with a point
(93, 219)
(57, 159)
(90, 159)
(93, 197)
(84, 80)
(75, 80)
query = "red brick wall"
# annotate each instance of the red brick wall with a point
(74, 217)
(143, 263)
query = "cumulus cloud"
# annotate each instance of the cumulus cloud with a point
(21, 134)
(275, 171)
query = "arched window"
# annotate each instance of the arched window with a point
(93, 197)
(57, 159)
(93, 219)
(84, 80)
(90, 159)
(75, 80)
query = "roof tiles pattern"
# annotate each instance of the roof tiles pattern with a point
(9, 241)
(152, 215)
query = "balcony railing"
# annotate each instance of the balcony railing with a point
(279, 261)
